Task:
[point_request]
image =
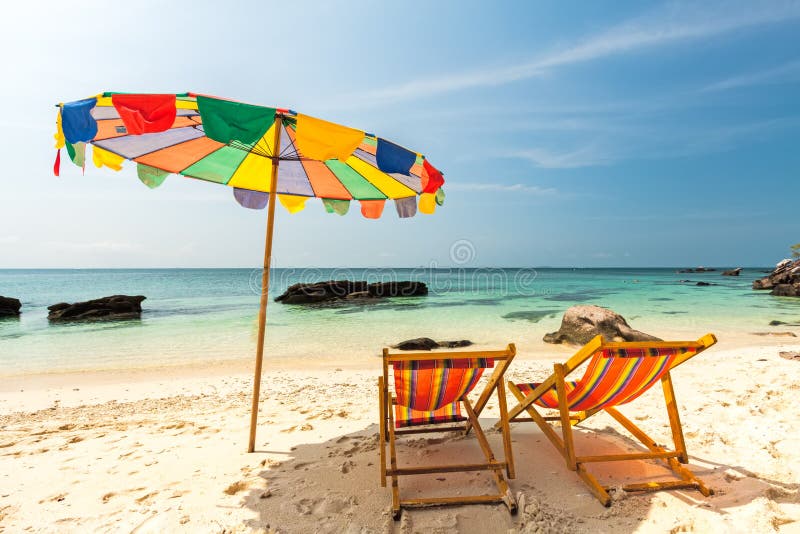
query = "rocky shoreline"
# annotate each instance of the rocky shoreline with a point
(783, 281)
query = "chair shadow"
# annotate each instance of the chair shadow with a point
(734, 485)
(334, 486)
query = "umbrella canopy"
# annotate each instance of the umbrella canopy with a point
(256, 150)
(234, 144)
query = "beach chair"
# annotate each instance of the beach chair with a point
(429, 390)
(616, 374)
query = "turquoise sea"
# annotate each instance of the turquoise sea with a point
(209, 315)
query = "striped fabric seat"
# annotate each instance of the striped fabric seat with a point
(430, 391)
(613, 377)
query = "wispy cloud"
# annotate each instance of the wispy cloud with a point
(502, 188)
(660, 143)
(675, 23)
(585, 156)
(787, 71)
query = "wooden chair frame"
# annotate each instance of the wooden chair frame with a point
(565, 444)
(388, 433)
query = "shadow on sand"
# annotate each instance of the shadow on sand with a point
(334, 486)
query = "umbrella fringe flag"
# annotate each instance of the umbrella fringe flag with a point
(261, 152)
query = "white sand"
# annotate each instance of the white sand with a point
(152, 452)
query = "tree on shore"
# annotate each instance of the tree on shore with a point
(795, 250)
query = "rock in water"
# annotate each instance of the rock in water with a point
(113, 307)
(733, 272)
(346, 289)
(581, 323)
(9, 307)
(420, 343)
(397, 289)
(786, 290)
(426, 343)
(455, 344)
(784, 280)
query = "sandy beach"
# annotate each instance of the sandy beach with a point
(165, 452)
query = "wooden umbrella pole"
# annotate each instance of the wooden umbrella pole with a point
(262, 312)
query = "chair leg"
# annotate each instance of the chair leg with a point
(566, 422)
(382, 429)
(647, 441)
(502, 486)
(674, 418)
(508, 454)
(393, 460)
(594, 486)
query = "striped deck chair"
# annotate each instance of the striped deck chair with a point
(616, 374)
(429, 390)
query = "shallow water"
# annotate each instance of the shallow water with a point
(203, 315)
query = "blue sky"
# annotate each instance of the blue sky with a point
(570, 134)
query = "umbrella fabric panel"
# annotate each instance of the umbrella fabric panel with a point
(410, 181)
(390, 187)
(133, 146)
(357, 185)
(176, 158)
(218, 166)
(323, 181)
(108, 128)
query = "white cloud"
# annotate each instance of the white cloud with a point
(502, 188)
(787, 71)
(9, 239)
(676, 23)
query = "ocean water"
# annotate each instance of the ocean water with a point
(209, 315)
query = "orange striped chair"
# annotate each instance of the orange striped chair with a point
(429, 391)
(617, 373)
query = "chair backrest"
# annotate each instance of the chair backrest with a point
(431, 384)
(618, 375)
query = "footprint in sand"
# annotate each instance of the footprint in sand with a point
(146, 497)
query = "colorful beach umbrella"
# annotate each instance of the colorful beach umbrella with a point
(259, 151)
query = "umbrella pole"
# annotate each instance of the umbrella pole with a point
(262, 312)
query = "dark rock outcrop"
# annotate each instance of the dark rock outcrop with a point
(581, 323)
(784, 280)
(347, 289)
(426, 343)
(9, 307)
(697, 270)
(786, 290)
(397, 289)
(701, 283)
(733, 272)
(113, 307)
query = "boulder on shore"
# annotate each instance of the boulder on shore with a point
(113, 307)
(583, 322)
(733, 272)
(426, 343)
(9, 307)
(346, 289)
(784, 280)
